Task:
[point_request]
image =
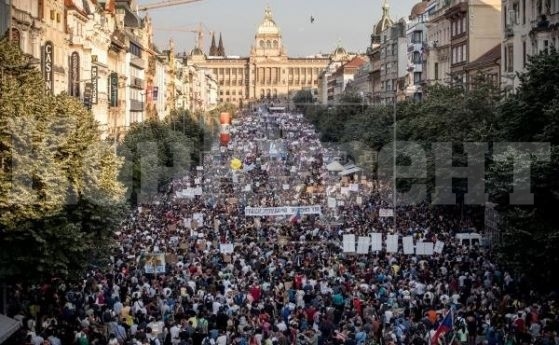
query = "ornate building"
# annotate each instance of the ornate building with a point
(268, 73)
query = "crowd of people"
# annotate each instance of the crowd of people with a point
(286, 281)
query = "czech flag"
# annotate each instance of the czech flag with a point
(296, 217)
(445, 326)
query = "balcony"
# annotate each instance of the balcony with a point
(22, 17)
(137, 83)
(138, 62)
(136, 105)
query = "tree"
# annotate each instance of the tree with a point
(302, 99)
(154, 154)
(530, 236)
(60, 199)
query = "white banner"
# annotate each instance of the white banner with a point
(376, 241)
(282, 211)
(408, 245)
(424, 248)
(226, 248)
(363, 244)
(391, 243)
(386, 212)
(349, 243)
(439, 245)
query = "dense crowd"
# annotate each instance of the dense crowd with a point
(286, 282)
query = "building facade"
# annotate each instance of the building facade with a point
(267, 73)
(528, 27)
(473, 32)
(339, 80)
(436, 62)
(416, 36)
(102, 53)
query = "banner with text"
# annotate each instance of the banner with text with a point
(281, 211)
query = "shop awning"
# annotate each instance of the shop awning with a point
(8, 326)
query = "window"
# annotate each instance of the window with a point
(417, 37)
(436, 70)
(523, 11)
(275, 44)
(268, 44)
(135, 50)
(524, 54)
(509, 58)
(262, 44)
(416, 58)
(417, 77)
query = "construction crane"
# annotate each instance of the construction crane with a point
(166, 3)
(200, 30)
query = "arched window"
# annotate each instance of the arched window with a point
(268, 44)
(262, 93)
(268, 93)
(275, 93)
(262, 44)
(275, 44)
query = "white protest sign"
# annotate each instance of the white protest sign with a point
(359, 200)
(199, 218)
(439, 245)
(363, 244)
(424, 248)
(226, 248)
(344, 190)
(349, 243)
(386, 212)
(376, 241)
(285, 187)
(391, 243)
(408, 245)
(331, 202)
(354, 187)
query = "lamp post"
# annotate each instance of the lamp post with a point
(394, 157)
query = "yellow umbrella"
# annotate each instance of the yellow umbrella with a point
(236, 164)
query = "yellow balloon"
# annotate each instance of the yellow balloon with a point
(236, 164)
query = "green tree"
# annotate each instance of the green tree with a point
(154, 154)
(530, 232)
(60, 199)
(303, 99)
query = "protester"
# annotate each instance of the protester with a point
(286, 281)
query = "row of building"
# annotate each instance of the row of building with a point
(453, 42)
(102, 52)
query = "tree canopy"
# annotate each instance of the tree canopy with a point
(60, 198)
(478, 113)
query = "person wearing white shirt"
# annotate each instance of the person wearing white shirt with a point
(221, 339)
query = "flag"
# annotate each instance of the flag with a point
(296, 217)
(445, 326)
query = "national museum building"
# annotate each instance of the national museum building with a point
(268, 73)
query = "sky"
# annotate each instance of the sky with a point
(349, 22)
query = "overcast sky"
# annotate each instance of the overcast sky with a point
(348, 21)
